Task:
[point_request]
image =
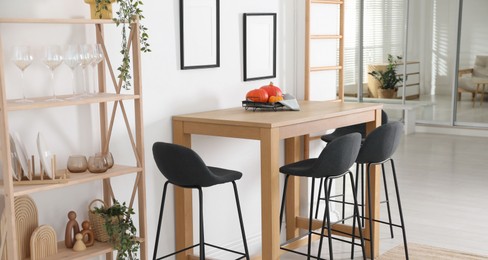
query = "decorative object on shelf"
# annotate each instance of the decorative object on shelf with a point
(72, 228)
(386, 78)
(72, 58)
(3, 236)
(129, 10)
(77, 163)
(120, 229)
(108, 158)
(79, 245)
(87, 233)
(97, 164)
(43, 242)
(22, 58)
(259, 34)
(48, 161)
(199, 34)
(52, 58)
(97, 222)
(22, 156)
(26, 221)
(100, 9)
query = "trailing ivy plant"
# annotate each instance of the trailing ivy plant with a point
(128, 9)
(120, 229)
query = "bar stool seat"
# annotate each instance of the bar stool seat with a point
(184, 168)
(333, 162)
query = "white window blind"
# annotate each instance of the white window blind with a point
(383, 34)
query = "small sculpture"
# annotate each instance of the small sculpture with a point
(72, 228)
(87, 233)
(79, 245)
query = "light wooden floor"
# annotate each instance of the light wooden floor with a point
(444, 187)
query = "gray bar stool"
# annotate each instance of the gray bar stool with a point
(333, 162)
(378, 147)
(184, 168)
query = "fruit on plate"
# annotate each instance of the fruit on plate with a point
(274, 99)
(257, 95)
(272, 90)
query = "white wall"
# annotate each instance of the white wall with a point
(167, 91)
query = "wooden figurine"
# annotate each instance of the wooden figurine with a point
(87, 233)
(79, 245)
(72, 228)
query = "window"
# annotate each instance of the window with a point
(383, 34)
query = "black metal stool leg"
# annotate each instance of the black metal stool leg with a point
(322, 229)
(400, 208)
(318, 198)
(387, 199)
(310, 215)
(343, 198)
(202, 237)
(329, 228)
(370, 211)
(283, 199)
(356, 218)
(160, 220)
(241, 222)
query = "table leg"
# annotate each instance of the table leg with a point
(292, 154)
(183, 202)
(270, 193)
(375, 199)
(482, 94)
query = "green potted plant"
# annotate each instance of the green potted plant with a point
(129, 10)
(387, 77)
(120, 228)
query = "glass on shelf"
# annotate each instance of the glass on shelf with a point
(52, 58)
(86, 59)
(97, 57)
(77, 163)
(22, 58)
(97, 164)
(72, 59)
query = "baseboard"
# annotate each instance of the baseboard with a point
(451, 130)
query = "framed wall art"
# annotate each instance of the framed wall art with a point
(199, 34)
(259, 36)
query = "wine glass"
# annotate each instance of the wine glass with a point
(72, 59)
(52, 59)
(86, 59)
(22, 58)
(97, 57)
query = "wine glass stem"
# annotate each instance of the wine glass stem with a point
(74, 82)
(22, 84)
(52, 82)
(85, 82)
(94, 79)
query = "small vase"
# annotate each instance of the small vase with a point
(108, 157)
(97, 164)
(105, 9)
(77, 163)
(387, 93)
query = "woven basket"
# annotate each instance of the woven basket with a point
(97, 223)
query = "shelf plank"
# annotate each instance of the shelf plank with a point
(56, 21)
(41, 102)
(67, 253)
(74, 179)
(325, 37)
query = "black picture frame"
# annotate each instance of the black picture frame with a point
(259, 35)
(199, 34)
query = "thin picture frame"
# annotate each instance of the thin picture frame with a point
(199, 34)
(259, 35)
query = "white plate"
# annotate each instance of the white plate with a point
(44, 155)
(22, 154)
(13, 159)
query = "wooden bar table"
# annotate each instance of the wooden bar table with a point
(269, 128)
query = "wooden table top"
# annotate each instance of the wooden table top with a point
(309, 111)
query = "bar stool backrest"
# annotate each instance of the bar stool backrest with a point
(337, 157)
(182, 166)
(381, 143)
